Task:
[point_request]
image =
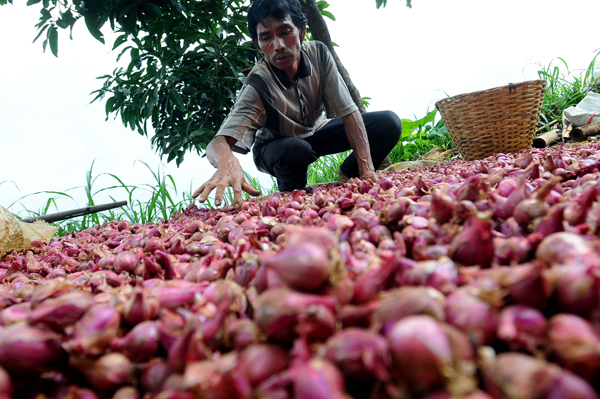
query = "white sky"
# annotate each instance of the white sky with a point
(405, 59)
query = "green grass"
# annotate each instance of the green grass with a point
(161, 200)
(566, 88)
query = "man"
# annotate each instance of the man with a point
(279, 112)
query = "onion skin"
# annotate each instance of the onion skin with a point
(260, 361)
(360, 354)
(420, 351)
(27, 350)
(62, 311)
(6, 386)
(306, 267)
(473, 245)
(514, 375)
(522, 328)
(575, 343)
(472, 316)
(408, 301)
(107, 373)
(95, 330)
(141, 343)
(318, 379)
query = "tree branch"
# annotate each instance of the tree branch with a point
(319, 31)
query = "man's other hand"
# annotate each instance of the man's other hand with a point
(228, 174)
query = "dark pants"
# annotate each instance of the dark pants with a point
(287, 158)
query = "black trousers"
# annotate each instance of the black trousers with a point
(287, 158)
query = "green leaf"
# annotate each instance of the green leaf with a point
(153, 9)
(176, 100)
(119, 40)
(91, 24)
(328, 15)
(32, 2)
(40, 32)
(53, 40)
(409, 3)
(109, 107)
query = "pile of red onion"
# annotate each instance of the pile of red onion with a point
(467, 280)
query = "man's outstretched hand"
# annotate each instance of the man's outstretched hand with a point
(229, 174)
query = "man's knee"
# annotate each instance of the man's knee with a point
(295, 153)
(392, 125)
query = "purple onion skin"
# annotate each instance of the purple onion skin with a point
(140, 344)
(472, 316)
(569, 385)
(420, 351)
(473, 245)
(26, 350)
(318, 379)
(6, 386)
(62, 311)
(360, 354)
(522, 328)
(260, 361)
(96, 329)
(107, 373)
(126, 393)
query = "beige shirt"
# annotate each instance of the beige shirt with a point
(271, 104)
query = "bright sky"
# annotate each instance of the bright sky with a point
(405, 59)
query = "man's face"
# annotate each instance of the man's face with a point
(279, 41)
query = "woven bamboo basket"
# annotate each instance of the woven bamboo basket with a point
(498, 120)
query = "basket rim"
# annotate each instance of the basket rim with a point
(459, 96)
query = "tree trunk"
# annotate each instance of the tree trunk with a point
(319, 31)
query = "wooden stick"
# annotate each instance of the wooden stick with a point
(546, 139)
(55, 217)
(583, 132)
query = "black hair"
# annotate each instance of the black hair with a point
(262, 9)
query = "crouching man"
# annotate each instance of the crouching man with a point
(279, 112)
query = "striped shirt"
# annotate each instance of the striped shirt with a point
(270, 104)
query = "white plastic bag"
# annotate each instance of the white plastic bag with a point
(17, 236)
(586, 112)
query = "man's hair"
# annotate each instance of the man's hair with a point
(263, 9)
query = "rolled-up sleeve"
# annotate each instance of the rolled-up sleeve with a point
(246, 116)
(336, 96)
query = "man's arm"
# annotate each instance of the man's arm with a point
(229, 173)
(357, 136)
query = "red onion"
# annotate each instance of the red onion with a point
(125, 261)
(577, 209)
(29, 350)
(260, 361)
(278, 310)
(563, 248)
(535, 207)
(474, 245)
(359, 354)
(575, 343)
(6, 386)
(408, 301)
(106, 373)
(317, 379)
(95, 330)
(515, 375)
(153, 375)
(15, 314)
(522, 328)
(577, 288)
(569, 385)
(472, 316)
(141, 343)
(242, 332)
(306, 267)
(423, 354)
(376, 279)
(440, 274)
(62, 311)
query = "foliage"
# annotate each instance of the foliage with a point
(383, 3)
(419, 136)
(158, 203)
(566, 88)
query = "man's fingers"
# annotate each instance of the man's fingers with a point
(199, 191)
(237, 196)
(249, 188)
(219, 194)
